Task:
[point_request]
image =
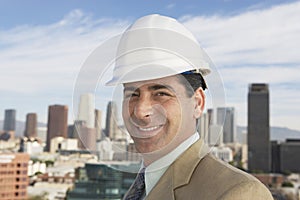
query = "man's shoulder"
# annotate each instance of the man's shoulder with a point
(214, 167)
(215, 179)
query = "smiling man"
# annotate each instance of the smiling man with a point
(155, 111)
(161, 66)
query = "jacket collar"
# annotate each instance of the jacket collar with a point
(180, 172)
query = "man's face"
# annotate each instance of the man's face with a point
(159, 112)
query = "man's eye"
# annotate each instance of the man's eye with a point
(130, 95)
(163, 94)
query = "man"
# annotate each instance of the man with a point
(161, 67)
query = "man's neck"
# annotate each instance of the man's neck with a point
(149, 158)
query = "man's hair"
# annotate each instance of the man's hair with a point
(192, 81)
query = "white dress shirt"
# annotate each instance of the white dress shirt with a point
(156, 169)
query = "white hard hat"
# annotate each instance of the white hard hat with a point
(154, 47)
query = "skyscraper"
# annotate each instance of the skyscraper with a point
(226, 118)
(77, 132)
(259, 151)
(10, 120)
(57, 123)
(88, 138)
(210, 113)
(31, 125)
(86, 111)
(111, 120)
(98, 124)
(203, 126)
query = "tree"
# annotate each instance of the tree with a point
(287, 184)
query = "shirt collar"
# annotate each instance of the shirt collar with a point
(156, 169)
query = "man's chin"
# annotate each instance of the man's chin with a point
(152, 150)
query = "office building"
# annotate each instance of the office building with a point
(111, 120)
(86, 110)
(42, 134)
(223, 153)
(210, 113)
(259, 150)
(105, 149)
(103, 181)
(203, 126)
(289, 156)
(63, 144)
(31, 125)
(75, 131)
(57, 123)
(88, 139)
(215, 135)
(13, 176)
(226, 118)
(85, 136)
(10, 120)
(98, 124)
(31, 146)
(275, 157)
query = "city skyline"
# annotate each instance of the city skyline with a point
(249, 42)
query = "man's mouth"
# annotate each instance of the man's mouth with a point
(152, 128)
(147, 132)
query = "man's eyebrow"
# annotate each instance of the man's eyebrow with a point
(158, 87)
(151, 87)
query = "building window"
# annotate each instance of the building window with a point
(112, 191)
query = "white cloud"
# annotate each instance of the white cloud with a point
(259, 36)
(37, 57)
(259, 45)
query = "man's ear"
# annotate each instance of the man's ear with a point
(199, 97)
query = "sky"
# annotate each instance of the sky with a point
(44, 44)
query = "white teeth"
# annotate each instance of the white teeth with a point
(149, 129)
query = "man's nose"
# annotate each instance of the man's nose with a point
(143, 109)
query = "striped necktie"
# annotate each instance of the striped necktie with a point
(137, 190)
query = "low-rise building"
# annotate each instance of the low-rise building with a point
(13, 176)
(109, 180)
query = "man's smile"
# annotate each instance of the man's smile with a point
(147, 131)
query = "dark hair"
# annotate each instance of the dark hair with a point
(192, 81)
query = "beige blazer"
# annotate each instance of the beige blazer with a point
(196, 176)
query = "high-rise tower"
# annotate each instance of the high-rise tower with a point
(31, 125)
(259, 152)
(86, 111)
(226, 118)
(111, 120)
(98, 124)
(57, 123)
(10, 120)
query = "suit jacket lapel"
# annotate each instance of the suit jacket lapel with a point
(179, 173)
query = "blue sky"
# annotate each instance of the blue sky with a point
(43, 45)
